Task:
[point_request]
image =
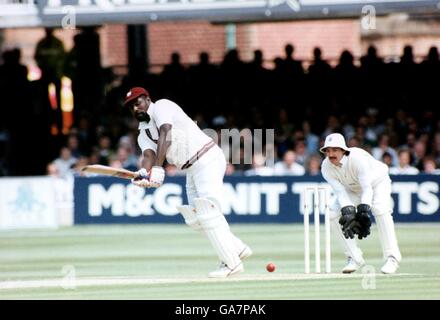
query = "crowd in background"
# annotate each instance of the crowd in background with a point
(389, 108)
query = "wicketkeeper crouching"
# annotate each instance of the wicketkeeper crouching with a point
(362, 187)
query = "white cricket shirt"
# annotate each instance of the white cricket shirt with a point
(359, 173)
(186, 137)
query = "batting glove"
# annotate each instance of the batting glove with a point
(142, 179)
(157, 176)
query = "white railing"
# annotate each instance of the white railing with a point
(18, 13)
(17, 2)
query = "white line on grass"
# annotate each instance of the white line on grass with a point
(124, 281)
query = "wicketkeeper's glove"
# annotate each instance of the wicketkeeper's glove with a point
(364, 220)
(350, 226)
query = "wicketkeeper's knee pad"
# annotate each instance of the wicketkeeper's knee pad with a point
(190, 216)
(335, 210)
(381, 210)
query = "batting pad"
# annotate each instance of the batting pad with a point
(387, 235)
(350, 246)
(217, 229)
(189, 214)
(239, 245)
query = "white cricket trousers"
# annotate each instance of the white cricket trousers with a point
(204, 179)
(382, 211)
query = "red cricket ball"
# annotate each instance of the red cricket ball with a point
(270, 267)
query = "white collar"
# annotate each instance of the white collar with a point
(150, 108)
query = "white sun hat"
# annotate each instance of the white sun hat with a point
(334, 140)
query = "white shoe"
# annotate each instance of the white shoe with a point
(245, 253)
(224, 271)
(390, 266)
(353, 265)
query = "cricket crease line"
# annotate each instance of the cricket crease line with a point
(123, 281)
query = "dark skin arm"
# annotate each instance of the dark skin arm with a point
(163, 144)
(149, 159)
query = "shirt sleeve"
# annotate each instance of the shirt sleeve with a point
(163, 112)
(365, 180)
(145, 143)
(338, 188)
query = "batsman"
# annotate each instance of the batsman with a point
(361, 185)
(167, 133)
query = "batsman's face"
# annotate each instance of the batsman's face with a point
(334, 155)
(139, 108)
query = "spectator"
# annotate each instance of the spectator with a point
(73, 145)
(288, 166)
(128, 161)
(301, 152)
(313, 167)
(50, 55)
(387, 159)
(353, 142)
(115, 162)
(65, 162)
(404, 166)
(52, 170)
(384, 146)
(259, 167)
(80, 163)
(230, 169)
(105, 151)
(429, 166)
(312, 140)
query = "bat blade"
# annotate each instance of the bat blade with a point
(109, 171)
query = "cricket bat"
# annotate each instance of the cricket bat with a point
(109, 171)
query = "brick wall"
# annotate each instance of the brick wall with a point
(331, 35)
(393, 46)
(190, 38)
(26, 39)
(187, 38)
(113, 39)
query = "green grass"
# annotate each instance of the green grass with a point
(172, 261)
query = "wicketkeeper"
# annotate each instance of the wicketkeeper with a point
(361, 185)
(166, 132)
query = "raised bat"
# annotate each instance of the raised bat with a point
(109, 171)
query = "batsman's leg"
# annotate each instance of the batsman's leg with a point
(207, 175)
(189, 214)
(217, 229)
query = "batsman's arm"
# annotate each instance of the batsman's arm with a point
(149, 159)
(163, 144)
